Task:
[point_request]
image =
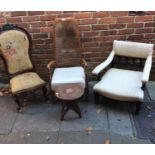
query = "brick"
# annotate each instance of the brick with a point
(100, 14)
(150, 12)
(119, 13)
(126, 31)
(125, 19)
(38, 24)
(67, 15)
(33, 30)
(54, 12)
(143, 18)
(136, 37)
(47, 17)
(117, 26)
(108, 32)
(46, 29)
(37, 36)
(30, 18)
(84, 28)
(18, 13)
(90, 34)
(82, 15)
(107, 20)
(150, 24)
(100, 27)
(149, 36)
(135, 25)
(90, 44)
(144, 30)
(88, 21)
(14, 20)
(33, 13)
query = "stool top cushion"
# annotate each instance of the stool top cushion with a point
(68, 75)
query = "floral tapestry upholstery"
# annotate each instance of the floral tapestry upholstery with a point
(67, 42)
(14, 47)
(25, 81)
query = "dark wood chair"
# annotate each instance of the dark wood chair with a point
(68, 77)
(15, 48)
(128, 70)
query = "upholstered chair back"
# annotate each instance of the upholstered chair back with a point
(14, 48)
(132, 49)
(67, 42)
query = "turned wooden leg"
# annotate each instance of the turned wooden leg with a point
(44, 89)
(19, 106)
(138, 107)
(75, 107)
(86, 96)
(96, 96)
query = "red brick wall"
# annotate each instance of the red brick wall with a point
(98, 30)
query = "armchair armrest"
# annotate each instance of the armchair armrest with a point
(147, 69)
(51, 64)
(104, 64)
(84, 63)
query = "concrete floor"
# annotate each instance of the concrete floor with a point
(40, 123)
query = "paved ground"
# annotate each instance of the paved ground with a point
(40, 123)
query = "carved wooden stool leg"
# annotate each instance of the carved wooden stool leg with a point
(75, 108)
(67, 106)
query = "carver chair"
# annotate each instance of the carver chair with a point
(128, 70)
(15, 47)
(67, 72)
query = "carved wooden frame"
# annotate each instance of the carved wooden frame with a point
(124, 62)
(53, 64)
(8, 27)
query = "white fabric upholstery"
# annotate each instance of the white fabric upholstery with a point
(132, 49)
(69, 75)
(104, 64)
(147, 69)
(119, 84)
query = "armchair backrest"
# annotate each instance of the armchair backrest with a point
(132, 49)
(67, 44)
(15, 46)
(131, 55)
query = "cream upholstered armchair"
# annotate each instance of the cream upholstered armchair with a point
(120, 82)
(15, 48)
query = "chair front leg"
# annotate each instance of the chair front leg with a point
(138, 107)
(19, 105)
(44, 89)
(96, 97)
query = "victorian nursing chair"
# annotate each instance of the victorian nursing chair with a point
(68, 77)
(15, 47)
(120, 82)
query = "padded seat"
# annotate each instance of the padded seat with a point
(68, 83)
(25, 81)
(123, 85)
(69, 75)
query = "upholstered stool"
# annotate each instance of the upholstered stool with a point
(68, 85)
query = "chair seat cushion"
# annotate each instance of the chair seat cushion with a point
(68, 83)
(119, 84)
(25, 82)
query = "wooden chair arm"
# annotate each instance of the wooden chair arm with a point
(84, 63)
(51, 64)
